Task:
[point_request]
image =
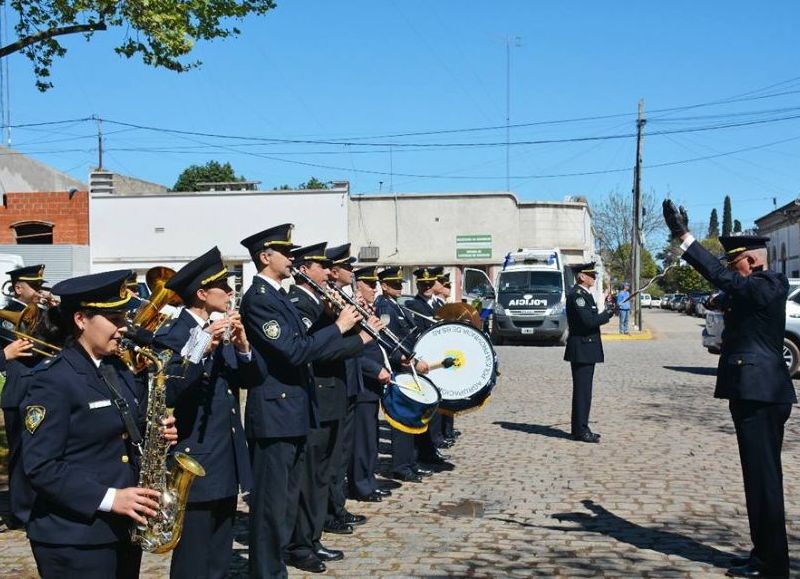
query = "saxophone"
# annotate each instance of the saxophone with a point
(163, 531)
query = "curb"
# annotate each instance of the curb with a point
(646, 334)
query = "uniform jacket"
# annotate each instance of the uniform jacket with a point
(79, 450)
(284, 403)
(420, 305)
(329, 374)
(583, 344)
(400, 323)
(207, 412)
(371, 363)
(751, 365)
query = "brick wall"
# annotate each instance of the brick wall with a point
(70, 217)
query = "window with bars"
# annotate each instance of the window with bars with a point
(33, 233)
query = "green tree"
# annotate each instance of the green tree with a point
(618, 264)
(313, 183)
(713, 224)
(685, 278)
(737, 226)
(727, 217)
(160, 32)
(211, 172)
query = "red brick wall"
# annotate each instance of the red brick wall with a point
(70, 217)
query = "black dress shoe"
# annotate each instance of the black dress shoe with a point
(586, 437)
(310, 563)
(407, 476)
(436, 458)
(354, 520)
(456, 433)
(740, 561)
(421, 471)
(338, 528)
(448, 442)
(382, 492)
(372, 497)
(751, 570)
(325, 554)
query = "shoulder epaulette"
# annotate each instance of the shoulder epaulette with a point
(46, 364)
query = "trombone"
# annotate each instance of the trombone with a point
(23, 324)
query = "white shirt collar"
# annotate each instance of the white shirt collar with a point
(271, 282)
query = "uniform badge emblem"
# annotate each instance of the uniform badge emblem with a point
(272, 330)
(34, 415)
(581, 302)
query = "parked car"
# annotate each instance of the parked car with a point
(694, 299)
(646, 300)
(655, 302)
(715, 324)
(666, 298)
(677, 302)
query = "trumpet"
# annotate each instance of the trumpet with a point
(23, 325)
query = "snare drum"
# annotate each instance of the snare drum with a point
(467, 379)
(409, 404)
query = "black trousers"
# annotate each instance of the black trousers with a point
(403, 453)
(759, 432)
(21, 495)
(364, 459)
(582, 376)
(313, 499)
(206, 545)
(448, 426)
(431, 439)
(337, 491)
(277, 477)
(118, 560)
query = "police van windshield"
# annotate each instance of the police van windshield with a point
(543, 282)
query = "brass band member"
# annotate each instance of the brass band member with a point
(81, 414)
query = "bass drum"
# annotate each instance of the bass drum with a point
(409, 403)
(463, 365)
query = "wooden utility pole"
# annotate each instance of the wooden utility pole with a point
(99, 144)
(636, 237)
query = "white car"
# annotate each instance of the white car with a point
(655, 302)
(646, 300)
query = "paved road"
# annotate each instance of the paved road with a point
(661, 496)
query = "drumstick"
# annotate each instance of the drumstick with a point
(445, 363)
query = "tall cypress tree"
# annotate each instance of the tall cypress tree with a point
(713, 224)
(737, 226)
(727, 218)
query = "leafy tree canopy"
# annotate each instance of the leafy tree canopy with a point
(211, 172)
(161, 32)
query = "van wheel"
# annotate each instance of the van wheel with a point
(497, 340)
(791, 355)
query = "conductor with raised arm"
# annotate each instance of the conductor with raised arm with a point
(752, 375)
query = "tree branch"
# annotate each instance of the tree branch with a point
(44, 35)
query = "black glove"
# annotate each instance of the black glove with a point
(677, 219)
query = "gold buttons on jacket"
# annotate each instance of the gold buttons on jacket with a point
(125, 458)
(124, 436)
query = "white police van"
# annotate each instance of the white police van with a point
(528, 298)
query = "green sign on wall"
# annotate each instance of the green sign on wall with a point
(473, 246)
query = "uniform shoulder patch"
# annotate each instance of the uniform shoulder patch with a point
(272, 329)
(34, 416)
(580, 301)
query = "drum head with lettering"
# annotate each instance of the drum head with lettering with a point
(420, 390)
(473, 359)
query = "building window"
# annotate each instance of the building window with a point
(33, 233)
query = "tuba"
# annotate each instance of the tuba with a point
(163, 531)
(23, 324)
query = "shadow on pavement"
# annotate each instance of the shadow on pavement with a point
(603, 521)
(540, 429)
(699, 370)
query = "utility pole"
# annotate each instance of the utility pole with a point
(516, 41)
(636, 234)
(99, 144)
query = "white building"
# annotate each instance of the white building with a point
(141, 230)
(782, 226)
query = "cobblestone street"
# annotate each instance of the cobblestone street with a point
(660, 496)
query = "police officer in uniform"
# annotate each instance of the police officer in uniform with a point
(362, 485)
(425, 304)
(404, 462)
(338, 517)
(205, 396)
(331, 394)
(81, 415)
(281, 410)
(584, 348)
(752, 375)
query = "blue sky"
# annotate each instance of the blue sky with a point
(362, 71)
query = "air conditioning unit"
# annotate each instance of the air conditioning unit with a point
(369, 253)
